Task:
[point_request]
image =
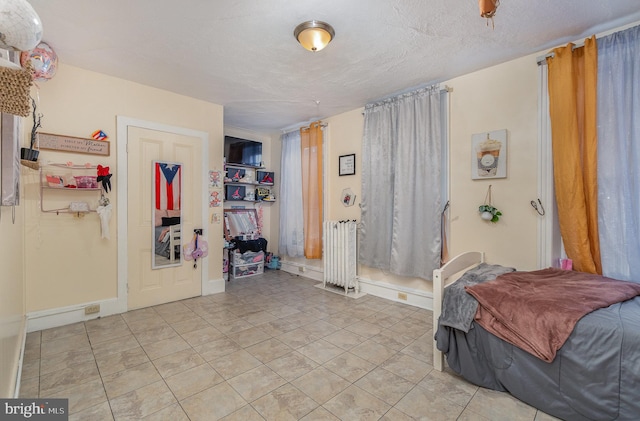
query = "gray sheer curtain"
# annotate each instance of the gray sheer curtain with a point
(619, 154)
(401, 184)
(291, 216)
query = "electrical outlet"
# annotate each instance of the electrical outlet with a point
(402, 296)
(94, 308)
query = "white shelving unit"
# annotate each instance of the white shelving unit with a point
(240, 181)
(82, 194)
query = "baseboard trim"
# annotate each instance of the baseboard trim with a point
(23, 344)
(213, 286)
(55, 317)
(46, 319)
(416, 298)
(301, 269)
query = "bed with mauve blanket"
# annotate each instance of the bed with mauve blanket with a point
(565, 342)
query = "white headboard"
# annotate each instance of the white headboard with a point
(440, 281)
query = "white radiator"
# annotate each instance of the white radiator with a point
(339, 255)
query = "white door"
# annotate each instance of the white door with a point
(149, 286)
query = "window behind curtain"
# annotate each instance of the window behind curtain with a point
(291, 217)
(402, 184)
(619, 153)
(618, 93)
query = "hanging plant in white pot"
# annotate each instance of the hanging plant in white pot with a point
(487, 211)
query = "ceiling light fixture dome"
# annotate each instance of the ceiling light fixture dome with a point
(314, 35)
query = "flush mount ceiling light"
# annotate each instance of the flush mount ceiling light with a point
(314, 35)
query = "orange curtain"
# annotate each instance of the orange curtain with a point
(572, 109)
(311, 145)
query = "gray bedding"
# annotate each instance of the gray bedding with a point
(595, 375)
(162, 248)
(458, 307)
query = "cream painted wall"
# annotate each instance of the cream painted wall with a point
(66, 261)
(499, 97)
(343, 137)
(274, 222)
(12, 307)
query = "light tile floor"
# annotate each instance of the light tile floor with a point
(272, 347)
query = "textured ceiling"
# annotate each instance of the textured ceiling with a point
(241, 54)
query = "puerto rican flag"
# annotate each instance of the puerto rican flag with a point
(168, 181)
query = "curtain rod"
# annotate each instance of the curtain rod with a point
(578, 44)
(543, 59)
(445, 90)
(293, 129)
(321, 125)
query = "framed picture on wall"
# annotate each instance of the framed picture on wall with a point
(489, 155)
(347, 164)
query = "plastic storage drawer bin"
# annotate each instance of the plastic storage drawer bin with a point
(248, 257)
(244, 271)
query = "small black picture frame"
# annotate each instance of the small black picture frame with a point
(347, 164)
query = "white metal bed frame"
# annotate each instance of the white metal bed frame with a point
(175, 234)
(440, 282)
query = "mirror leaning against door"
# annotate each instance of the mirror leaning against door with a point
(167, 215)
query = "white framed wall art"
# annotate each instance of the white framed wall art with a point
(489, 155)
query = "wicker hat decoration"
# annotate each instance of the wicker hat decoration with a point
(15, 85)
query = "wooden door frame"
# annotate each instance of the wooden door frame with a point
(123, 124)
